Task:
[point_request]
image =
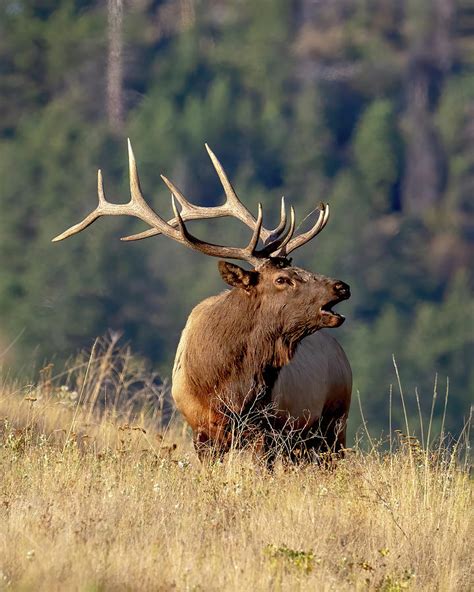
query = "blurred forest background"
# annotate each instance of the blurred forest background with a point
(366, 104)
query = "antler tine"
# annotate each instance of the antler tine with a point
(136, 196)
(190, 211)
(226, 184)
(256, 232)
(236, 207)
(275, 233)
(302, 239)
(90, 218)
(277, 246)
(247, 253)
(136, 207)
(144, 234)
(186, 206)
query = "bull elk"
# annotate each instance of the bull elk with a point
(252, 360)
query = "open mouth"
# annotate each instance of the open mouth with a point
(326, 309)
(329, 316)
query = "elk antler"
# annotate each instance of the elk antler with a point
(302, 239)
(277, 242)
(138, 208)
(232, 207)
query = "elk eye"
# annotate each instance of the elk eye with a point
(281, 280)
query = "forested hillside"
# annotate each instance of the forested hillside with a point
(366, 105)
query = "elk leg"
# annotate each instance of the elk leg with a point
(270, 450)
(335, 434)
(328, 439)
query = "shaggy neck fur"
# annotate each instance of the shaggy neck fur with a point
(237, 349)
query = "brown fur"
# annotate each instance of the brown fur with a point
(235, 344)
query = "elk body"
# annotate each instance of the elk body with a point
(252, 363)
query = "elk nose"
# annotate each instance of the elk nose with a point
(342, 290)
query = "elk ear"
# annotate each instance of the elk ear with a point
(237, 277)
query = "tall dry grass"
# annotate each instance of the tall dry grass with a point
(96, 495)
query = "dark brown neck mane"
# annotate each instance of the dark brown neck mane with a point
(237, 349)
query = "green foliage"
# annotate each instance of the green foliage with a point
(309, 101)
(283, 556)
(376, 152)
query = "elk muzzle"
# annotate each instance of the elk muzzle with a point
(341, 291)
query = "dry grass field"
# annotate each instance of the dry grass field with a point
(93, 496)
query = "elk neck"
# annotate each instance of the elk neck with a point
(236, 349)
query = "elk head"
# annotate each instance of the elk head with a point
(301, 301)
(273, 280)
